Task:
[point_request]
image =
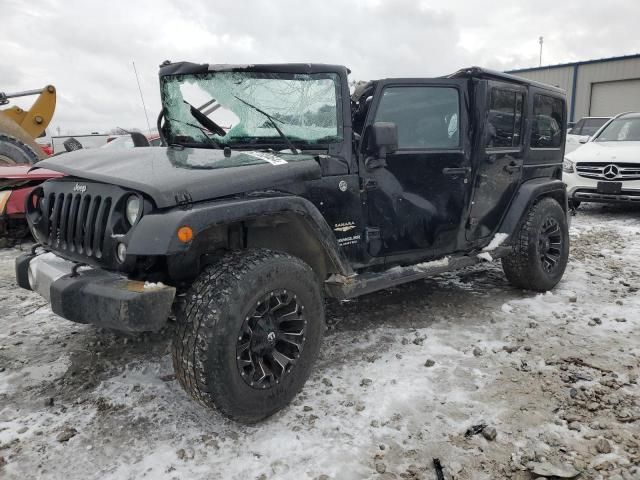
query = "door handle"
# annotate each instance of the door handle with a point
(370, 184)
(456, 171)
(512, 167)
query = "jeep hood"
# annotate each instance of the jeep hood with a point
(168, 174)
(606, 152)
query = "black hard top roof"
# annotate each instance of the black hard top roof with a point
(485, 73)
(181, 68)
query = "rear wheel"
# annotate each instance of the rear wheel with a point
(540, 248)
(248, 333)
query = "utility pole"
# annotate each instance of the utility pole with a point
(540, 40)
(142, 98)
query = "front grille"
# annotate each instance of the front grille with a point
(77, 222)
(609, 171)
(81, 221)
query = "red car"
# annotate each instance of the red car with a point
(15, 184)
(17, 181)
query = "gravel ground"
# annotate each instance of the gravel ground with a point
(403, 374)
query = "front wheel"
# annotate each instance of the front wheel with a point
(540, 248)
(249, 331)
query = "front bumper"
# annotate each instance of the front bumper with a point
(95, 296)
(586, 190)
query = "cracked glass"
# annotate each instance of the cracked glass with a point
(305, 108)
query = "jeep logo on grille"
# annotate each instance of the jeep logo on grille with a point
(80, 188)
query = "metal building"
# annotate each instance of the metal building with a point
(594, 88)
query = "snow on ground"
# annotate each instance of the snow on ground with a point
(402, 375)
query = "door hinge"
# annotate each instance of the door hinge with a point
(184, 200)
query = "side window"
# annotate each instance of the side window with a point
(548, 121)
(592, 125)
(577, 128)
(426, 117)
(505, 118)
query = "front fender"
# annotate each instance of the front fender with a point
(528, 193)
(156, 233)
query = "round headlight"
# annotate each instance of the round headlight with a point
(133, 209)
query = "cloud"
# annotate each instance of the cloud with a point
(86, 48)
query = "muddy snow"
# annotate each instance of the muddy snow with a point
(402, 376)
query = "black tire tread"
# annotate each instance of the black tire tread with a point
(11, 132)
(198, 316)
(517, 265)
(26, 149)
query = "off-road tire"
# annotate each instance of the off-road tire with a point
(210, 317)
(15, 152)
(16, 146)
(523, 267)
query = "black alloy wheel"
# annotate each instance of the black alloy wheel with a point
(271, 339)
(550, 244)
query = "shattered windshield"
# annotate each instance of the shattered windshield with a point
(250, 108)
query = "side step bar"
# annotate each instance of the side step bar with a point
(343, 288)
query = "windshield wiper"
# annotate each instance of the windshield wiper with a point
(293, 149)
(210, 140)
(205, 121)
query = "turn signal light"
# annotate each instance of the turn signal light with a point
(185, 234)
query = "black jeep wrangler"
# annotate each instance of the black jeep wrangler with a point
(276, 188)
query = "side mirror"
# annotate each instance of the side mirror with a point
(380, 140)
(139, 140)
(584, 139)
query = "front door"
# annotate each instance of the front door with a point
(416, 202)
(500, 162)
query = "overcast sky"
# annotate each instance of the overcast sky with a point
(86, 48)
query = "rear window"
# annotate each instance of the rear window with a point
(505, 118)
(548, 121)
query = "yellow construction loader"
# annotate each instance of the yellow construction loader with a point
(19, 128)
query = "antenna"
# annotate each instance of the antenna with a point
(540, 40)
(142, 97)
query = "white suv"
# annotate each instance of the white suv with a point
(606, 169)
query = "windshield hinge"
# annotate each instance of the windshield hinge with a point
(184, 200)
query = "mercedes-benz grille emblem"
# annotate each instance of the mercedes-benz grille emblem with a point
(610, 172)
